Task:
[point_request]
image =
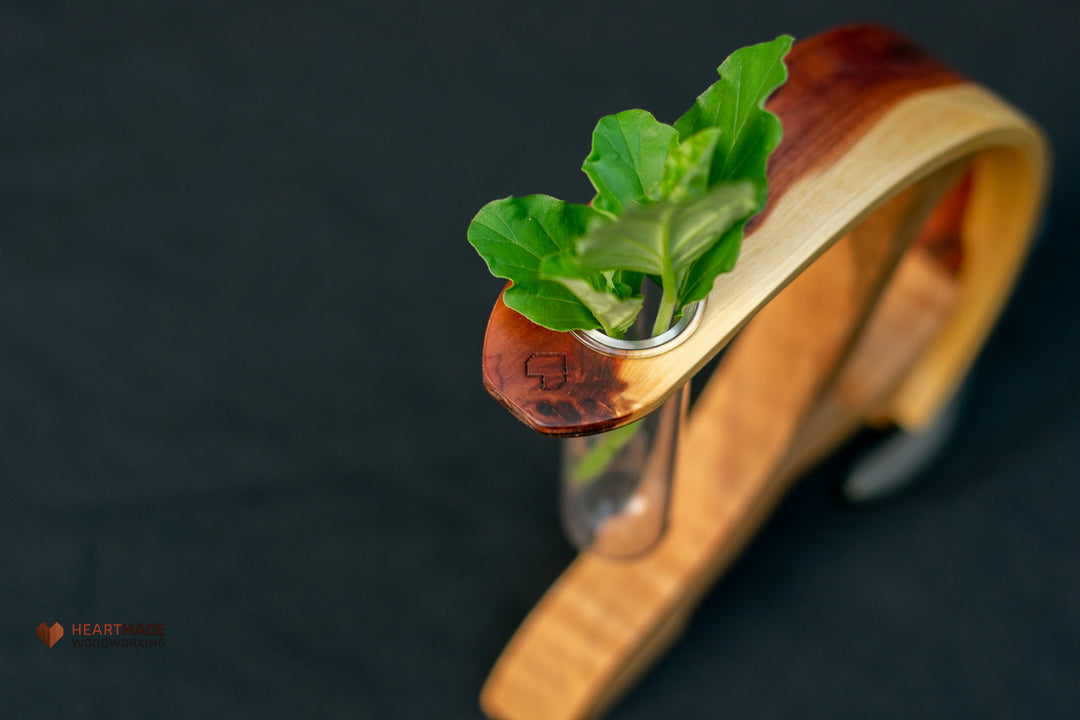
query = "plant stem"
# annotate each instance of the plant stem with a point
(666, 312)
(599, 457)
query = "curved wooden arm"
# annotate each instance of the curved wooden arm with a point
(855, 316)
(865, 114)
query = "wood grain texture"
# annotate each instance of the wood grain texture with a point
(848, 305)
(839, 83)
(583, 393)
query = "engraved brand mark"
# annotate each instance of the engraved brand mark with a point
(550, 367)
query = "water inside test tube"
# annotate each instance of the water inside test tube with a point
(616, 486)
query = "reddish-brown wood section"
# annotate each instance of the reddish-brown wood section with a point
(840, 82)
(939, 237)
(548, 379)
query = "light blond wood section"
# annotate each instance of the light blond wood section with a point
(1005, 203)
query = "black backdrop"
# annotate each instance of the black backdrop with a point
(240, 331)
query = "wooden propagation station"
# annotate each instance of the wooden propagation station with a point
(901, 205)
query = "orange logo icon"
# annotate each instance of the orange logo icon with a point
(50, 635)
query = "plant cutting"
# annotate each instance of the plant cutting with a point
(670, 207)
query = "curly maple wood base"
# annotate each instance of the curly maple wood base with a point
(902, 201)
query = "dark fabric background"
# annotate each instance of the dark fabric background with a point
(240, 333)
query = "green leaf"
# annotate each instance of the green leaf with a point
(735, 104)
(625, 282)
(627, 158)
(686, 170)
(664, 239)
(513, 235)
(552, 306)
(666, 206)
(613, 306)
(749, 134)
(718, 259)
